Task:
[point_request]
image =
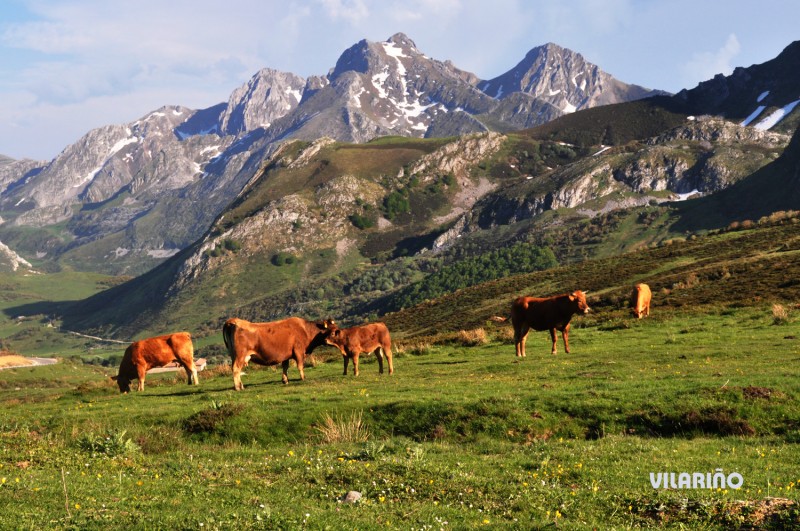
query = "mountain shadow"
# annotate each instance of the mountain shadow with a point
(773, 188)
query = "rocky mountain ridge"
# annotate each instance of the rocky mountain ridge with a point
(105, 201)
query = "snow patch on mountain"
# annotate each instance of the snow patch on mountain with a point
(116, 148)
(776, 116)
(14, 260)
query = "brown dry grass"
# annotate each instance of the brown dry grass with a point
(12, 359)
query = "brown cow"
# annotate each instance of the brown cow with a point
(551, 313)
(272, 343)
(366, 338)
(146, 354)
(640, 300)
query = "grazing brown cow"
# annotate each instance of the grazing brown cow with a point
(143, 355)
(551, 313)
(272, 343)
(640, 300)
(366, 338)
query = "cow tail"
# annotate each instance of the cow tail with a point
(227, 336)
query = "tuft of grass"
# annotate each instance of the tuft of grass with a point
(780, 314)
(340, 429)
(114, 443)
(472, 338)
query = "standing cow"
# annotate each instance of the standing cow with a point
(146, 354)
(551, 313)
(640, 300)
(272, 343)
(366, 338)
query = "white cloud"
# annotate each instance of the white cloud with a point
(705, 65)
(353, 11)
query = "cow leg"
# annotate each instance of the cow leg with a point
(520, 335)
(301, 361)
(355, 363)
(388, 353)
(191, 370)
(379, 355)
(553, 339)
(141, 370)
(346, 363)
(565, 335)
(237, 366)
(285, 377)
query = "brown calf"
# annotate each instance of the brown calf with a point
(146, 354)
(640, 300)
(366, 338)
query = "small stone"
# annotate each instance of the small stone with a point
(351, 497)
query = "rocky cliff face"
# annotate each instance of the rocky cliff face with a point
(268, 95)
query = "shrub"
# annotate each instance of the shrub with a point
(395, 204)
(283, 258)
(231, 245)
(208, 420)
(361, 222)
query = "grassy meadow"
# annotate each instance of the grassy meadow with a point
(462, 436)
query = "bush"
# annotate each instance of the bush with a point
(283, 258)
(361, 222)
(231, 245)
(395, 204)
(208, 420)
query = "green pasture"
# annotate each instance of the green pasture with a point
(462, 436)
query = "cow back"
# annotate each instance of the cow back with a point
(271, 342)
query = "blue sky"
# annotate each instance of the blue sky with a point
(68, 66)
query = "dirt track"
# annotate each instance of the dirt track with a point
(34, 362)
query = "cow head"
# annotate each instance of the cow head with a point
(579, 298)
(335, 337)
(123, 383)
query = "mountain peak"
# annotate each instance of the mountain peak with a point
(402, 40)
(564, 79)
